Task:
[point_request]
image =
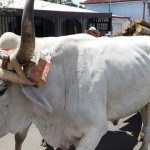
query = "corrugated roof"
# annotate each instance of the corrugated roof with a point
(43, 5)
(47, 9)
(121, 17)
(103, 1)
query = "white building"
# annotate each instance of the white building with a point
(118, 23)
(131, 9)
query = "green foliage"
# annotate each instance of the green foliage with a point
(4, 9)
(64, 2)
(4, 6)
(83, 7)
(5, 3)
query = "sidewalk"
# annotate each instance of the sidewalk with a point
(32, 141)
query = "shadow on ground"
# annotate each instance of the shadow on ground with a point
(120, 139)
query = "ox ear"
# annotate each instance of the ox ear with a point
(36, 97)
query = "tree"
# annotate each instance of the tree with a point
(4, 5)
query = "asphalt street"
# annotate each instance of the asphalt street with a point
(120, 137)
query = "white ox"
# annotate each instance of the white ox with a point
(90, 82)
(10, 40)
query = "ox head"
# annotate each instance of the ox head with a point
(12, 97)
(27, 45)
(23, 54)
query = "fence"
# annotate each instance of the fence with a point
(56, 25)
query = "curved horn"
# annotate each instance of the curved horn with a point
(27, 44)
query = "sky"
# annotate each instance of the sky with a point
(76, 1)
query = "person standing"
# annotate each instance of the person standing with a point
(93, 31)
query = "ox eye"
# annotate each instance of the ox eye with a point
(3, 86)
(2, 91)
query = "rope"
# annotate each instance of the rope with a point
(18, 77)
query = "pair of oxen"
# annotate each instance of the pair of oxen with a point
(92, 80)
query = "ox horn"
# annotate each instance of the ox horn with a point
(27, 44)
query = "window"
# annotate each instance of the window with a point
(148, 5)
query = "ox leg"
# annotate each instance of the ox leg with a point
(92, 137)
(141, 134)
(19, 138)
(146, 128)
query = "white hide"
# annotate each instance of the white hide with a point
(90, 82)
(11, 40)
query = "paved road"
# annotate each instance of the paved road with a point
(121, 137)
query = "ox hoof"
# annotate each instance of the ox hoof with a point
(43, 143)
(140, 137)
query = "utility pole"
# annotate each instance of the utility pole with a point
(109, 6)
(110, 32)
(144, 2)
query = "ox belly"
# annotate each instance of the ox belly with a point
(130, 97)
(59, 133)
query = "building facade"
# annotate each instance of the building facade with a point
(130, 8)
(50, 21)
(123, 11)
